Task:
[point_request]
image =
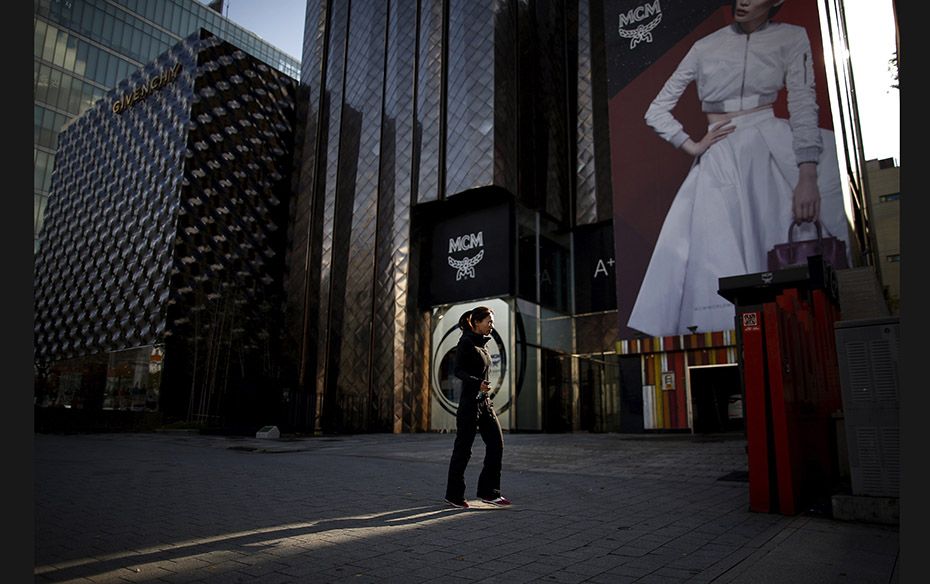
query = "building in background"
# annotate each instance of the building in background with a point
(158, 283)
(453, 155)
(885, 199)
(447, 154)
(83, 48)
(459, 152)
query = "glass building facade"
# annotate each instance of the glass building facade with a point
(453, 153)
(83, 48)
(158, 283)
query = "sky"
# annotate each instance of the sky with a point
(869, 23)
(870, 26)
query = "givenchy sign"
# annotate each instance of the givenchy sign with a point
(130, 99)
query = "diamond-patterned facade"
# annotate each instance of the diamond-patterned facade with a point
(166, 225)
(403, 105)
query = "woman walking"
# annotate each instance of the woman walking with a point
(475, 413)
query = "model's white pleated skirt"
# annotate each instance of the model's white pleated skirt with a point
(734, 206)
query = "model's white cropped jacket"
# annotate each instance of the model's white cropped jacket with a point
(736, 71)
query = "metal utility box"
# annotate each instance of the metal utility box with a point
(784, 323)
(867, 351)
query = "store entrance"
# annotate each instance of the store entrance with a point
(716, 399)
(557, 391)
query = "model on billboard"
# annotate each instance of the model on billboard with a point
(475, 413)
(753, 175)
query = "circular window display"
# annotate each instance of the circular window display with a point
(448, 388)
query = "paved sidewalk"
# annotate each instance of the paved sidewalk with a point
(601, 508)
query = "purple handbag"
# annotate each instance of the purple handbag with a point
(795, 253)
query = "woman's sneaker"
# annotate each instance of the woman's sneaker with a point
(500, 501)
(463, 504)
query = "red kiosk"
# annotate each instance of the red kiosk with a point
(791, 386)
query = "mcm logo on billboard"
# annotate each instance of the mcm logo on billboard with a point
(641, 32)
(466, 266)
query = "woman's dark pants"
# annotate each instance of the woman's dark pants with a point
(472, 418)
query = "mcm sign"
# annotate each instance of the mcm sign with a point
(466, 266)
(642, 32)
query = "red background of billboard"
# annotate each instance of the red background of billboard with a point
(646, 171)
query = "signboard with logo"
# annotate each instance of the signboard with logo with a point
(595, 276)
(471, 256)
(685, 217)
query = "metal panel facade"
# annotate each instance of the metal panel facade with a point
(417, 101)
(168, 218)
(394, 369)
(481, 111)
(116, 195)
(353, 275)
(586, 189)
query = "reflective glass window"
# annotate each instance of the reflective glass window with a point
(112, 71)
(146, 49)
(75, 96)
(98, 23)
(159, 16)
(80, 61)
(38, 212)
(89, 97)
(100, 70)
(61, 47)
(54, 87)
(125, 36)
(42, 79)
(107, 32)
(40, 168)
(37, 123)
(92, 55)
(64, 89)
(170, 9)
(49, 165)
(87, 20)
(39, 37)
(149, 9)
(70, 53)
(44, 133)
(125, 70)
(138, 38)
(48, 50)
(175, 19)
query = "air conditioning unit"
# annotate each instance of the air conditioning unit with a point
(867, 352)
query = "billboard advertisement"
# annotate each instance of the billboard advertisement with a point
(721, 148)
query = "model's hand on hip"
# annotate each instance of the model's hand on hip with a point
(715, 133)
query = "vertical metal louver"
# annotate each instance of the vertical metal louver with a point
(868, 358)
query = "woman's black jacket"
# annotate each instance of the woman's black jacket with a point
(472, 363)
